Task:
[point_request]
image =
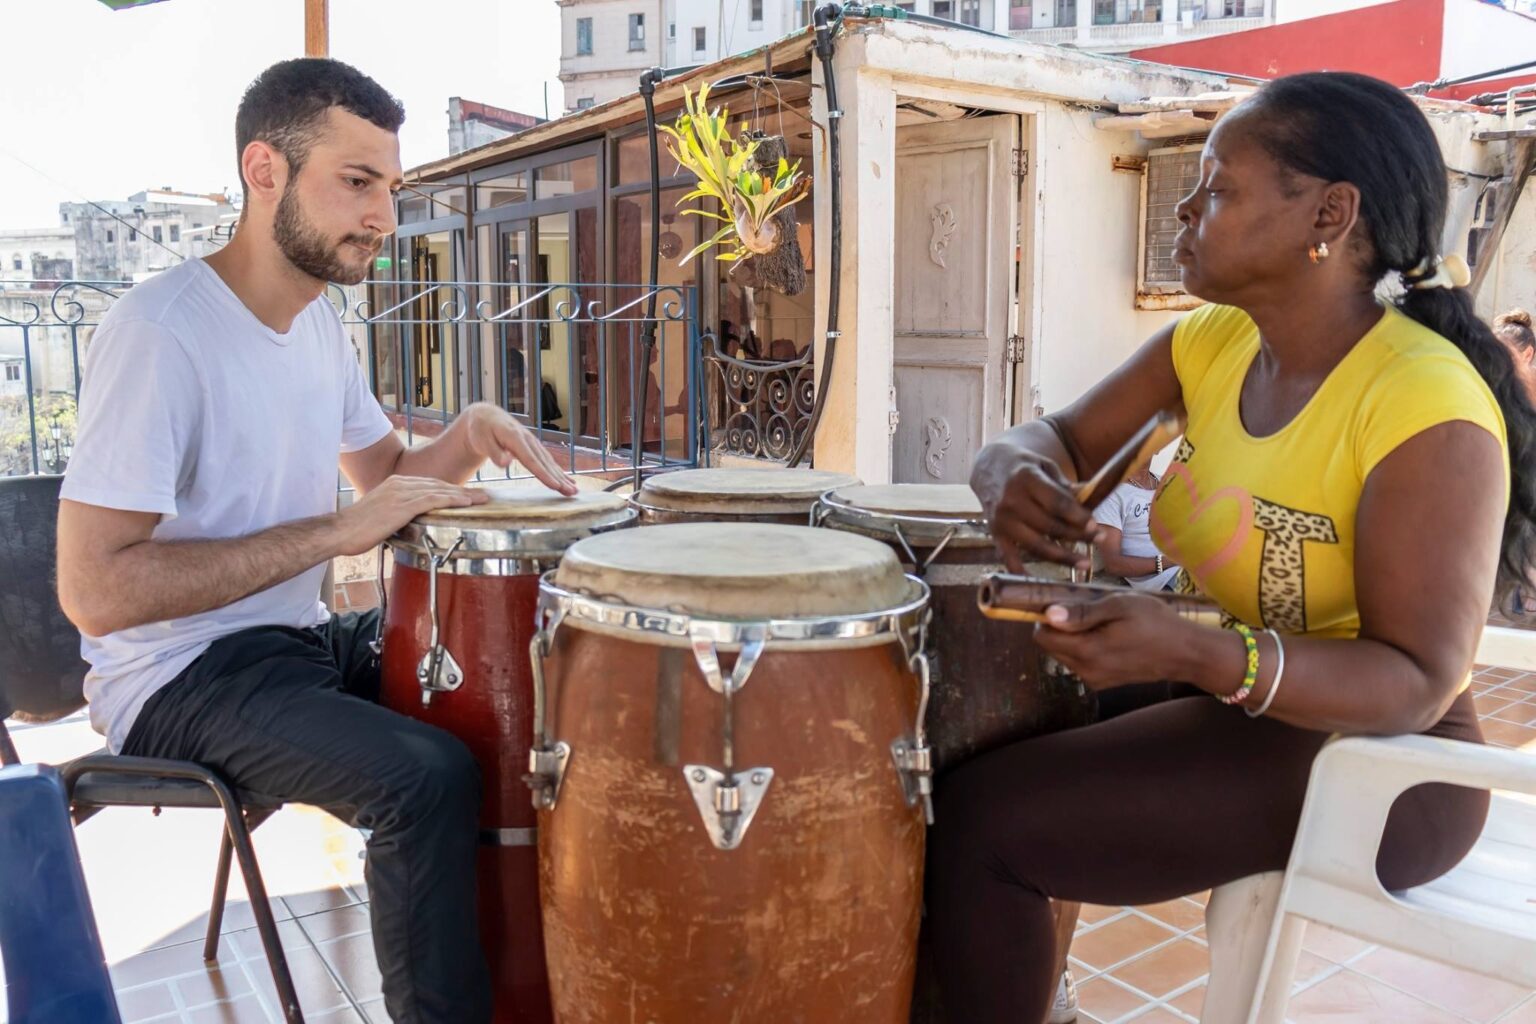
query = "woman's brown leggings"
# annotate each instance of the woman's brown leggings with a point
(1170, 795)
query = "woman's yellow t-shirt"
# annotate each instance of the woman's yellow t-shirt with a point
(1266, 525)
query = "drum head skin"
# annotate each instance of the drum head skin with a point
(929, 501)
(514, 505)
(738, 571)
(743, 491)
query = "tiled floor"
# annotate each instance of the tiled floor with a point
(150, 878)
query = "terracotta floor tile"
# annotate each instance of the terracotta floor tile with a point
(1106, 1000)
(346, 1016)
(247, 1010)
(1201, 898)
(157, 965)
(353, 960)
(1092, 913)
(1118, 940)
(1169, 968)
(213, 983)
(1158, 1015)
(247, 943)
(1526, 682)
(1182, 914)
(1309, 966)
(1501, 673)
(238, 916)
(1526, 1014)
(1508, 734)
(312, 982)
(1332, 945)
(302, 904)
(374, 1012)
(145, 1003)
(1471, 995)
(1190, 1002)
(1491, 704)
(337, 924)
(1521, 714)
(1360, 1000)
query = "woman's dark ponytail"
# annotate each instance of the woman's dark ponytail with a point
(1340, 126)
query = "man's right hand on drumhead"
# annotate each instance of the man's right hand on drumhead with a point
(379, 514)
(1030, 506)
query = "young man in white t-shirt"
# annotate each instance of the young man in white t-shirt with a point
(1126, 542)
(198, 516)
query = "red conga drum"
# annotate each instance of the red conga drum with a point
(731, 774)
(735, 495)
(457, 626)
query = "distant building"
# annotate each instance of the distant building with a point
(150, 231)
(37, 254)
(472, 124)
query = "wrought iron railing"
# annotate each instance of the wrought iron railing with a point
(564, 357)
(757, 408)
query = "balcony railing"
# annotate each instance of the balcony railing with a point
(564, 358)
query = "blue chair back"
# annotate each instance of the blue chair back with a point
(55, 972)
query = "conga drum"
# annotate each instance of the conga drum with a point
(735, 495)
(990, 683)
(457, 625)
(730, 773)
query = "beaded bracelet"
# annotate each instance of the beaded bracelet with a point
(1251, 673)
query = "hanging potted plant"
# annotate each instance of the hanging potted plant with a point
(754, 196)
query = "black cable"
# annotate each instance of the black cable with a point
(826, 19)
(1445, 83)
(648, 82)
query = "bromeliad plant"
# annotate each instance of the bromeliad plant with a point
(750, 198)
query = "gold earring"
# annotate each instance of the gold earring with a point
(1318, 252)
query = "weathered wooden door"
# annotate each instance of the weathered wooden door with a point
(956, 229)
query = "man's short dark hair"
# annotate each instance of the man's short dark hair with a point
(286, 106)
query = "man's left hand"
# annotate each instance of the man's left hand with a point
(493, 434)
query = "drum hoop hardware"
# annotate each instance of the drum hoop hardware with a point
(547, 761)
(868, 519)
(493, 542)
(577, 606)
(727, 801)
(377, 643)
(914, 758)
(439, 671)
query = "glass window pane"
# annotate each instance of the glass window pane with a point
(500, 191)
(634, 162)
(563, 179)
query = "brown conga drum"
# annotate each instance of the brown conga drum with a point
(457, 625)
(735, 495)
(990, 683)
(732, 826)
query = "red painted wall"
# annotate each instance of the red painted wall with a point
(1400, 42)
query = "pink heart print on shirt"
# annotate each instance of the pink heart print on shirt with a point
(1198, 509)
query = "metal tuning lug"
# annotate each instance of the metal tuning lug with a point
(914, 766)
(546, 770)
(727, 803)
(438, 671)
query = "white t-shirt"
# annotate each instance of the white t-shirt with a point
(193, 408)
(1129, 510)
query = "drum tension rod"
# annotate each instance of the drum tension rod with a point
(546, 761)
(438, 672)
(727, 800)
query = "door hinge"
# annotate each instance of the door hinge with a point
(1021, 163)
(1014, 353)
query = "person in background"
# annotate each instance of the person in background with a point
(1126, 543)
(1514, 330)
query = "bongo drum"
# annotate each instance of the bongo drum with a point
(735, 495)
(731, 776)
(990, 686)
(456, 628)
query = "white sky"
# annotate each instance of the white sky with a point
(111, 103)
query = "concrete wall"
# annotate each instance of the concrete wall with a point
(1480, 37)
(1079, 303)
(612, 69)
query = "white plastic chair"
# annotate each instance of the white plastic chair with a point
(1480, 916)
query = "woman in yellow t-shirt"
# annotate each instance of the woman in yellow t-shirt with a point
(1354, 478)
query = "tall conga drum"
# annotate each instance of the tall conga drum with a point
(735, 495)
(730, 773)
(457, 625)
(990, 683)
